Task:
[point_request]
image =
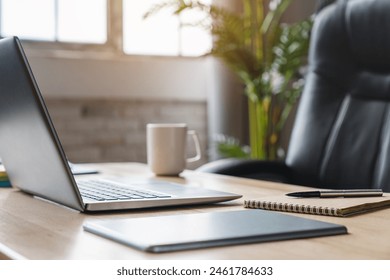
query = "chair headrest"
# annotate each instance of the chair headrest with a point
(368, 30)
(353, 32)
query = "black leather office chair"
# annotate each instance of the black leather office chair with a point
(341, 135)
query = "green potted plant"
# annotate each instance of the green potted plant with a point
(266, 55)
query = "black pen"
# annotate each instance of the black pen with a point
(339, 193)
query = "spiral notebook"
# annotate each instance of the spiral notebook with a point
(340, 207)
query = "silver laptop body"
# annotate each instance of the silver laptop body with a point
(35, 161)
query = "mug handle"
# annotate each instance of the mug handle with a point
(197, 146)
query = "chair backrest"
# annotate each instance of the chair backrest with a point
(341, 136)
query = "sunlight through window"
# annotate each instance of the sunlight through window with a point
(28, 19)
(81, 21)
(162, 33)
(88, 22)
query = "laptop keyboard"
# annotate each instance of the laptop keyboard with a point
(101, 190)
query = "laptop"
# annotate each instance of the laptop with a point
(36, 162)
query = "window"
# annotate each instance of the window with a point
(18, 18)
(104, 22)
(81, 21)
(162, 33)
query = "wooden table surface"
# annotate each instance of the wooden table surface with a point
(33, 228)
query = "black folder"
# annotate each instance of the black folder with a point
(191, 231)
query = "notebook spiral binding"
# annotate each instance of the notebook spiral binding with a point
(289, 207)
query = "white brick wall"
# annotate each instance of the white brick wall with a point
(98, 130)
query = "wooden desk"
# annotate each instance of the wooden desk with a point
(36, 229)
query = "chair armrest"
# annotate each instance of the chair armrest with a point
(276, 171)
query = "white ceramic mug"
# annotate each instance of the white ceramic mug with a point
(167, 148)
